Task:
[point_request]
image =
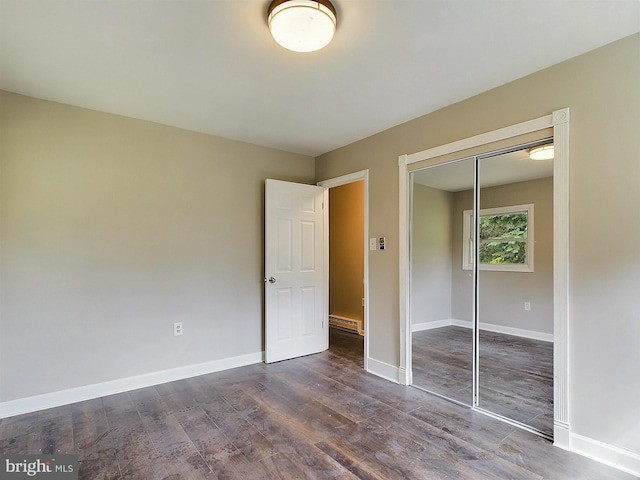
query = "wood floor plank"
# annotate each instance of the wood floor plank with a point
(383, 464)
(90, 428)
(286, 433)
(344, 400)
(313, 422)
(309, 416)
(437, 450)
(315, 417)
(213, 445)
(54, 431)
(253, 445)
(277, 466)
(136, 455)
(174, 447)
(18, 434)
(472, 427)
(515, 373)
(352, 463)
(94, 444)
(404, 398)
(533, 453)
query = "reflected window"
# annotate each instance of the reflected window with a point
(505, 239)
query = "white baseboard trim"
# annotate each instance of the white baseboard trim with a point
(518, 332)
(419, 327)
(489, 327)
(384, 370)
(461, 323)
(619, 458)
(561, 435)
(403, 376)
(87, 392)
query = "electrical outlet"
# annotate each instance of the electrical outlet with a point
(527, 306)
(177, 329)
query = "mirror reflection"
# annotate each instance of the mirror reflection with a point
(515, 288)
(441, 292)
(513, 249)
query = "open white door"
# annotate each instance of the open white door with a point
(295, 281)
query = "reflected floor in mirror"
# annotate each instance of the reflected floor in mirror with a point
(516, 374)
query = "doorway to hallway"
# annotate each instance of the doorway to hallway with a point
(348, 259)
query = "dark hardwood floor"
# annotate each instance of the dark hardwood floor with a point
(319, 416)
(516, 374)
(442, 361)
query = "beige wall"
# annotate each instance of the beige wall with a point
(601, 88)
(346, 250)
(442, 290)
(502, 294)
(461, 280)
(112, 229)
(431, 253)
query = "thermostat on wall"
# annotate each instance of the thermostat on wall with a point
(382, 243)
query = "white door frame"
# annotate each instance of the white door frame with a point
(559, 121)
(336, 182)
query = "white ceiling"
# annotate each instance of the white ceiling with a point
(212, 66)
(501, 169)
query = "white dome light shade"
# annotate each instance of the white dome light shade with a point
(302, 25)
(541, 153)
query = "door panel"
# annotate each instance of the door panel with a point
(441, 289)
(515, 310)
(295, 290)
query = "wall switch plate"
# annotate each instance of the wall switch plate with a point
(373, 244)
(527, 306)
(177, 329)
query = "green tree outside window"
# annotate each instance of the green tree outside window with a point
(503, 239)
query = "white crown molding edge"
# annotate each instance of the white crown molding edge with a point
(88, 392)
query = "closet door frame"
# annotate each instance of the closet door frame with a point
(559, 122)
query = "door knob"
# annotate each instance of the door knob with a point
(271, 280)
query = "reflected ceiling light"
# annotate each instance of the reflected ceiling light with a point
(302, 25)
(545, 152)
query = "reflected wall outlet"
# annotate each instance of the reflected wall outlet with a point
(177, 329)
(527, 306)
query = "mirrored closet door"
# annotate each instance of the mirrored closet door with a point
(481, 248)
(441, 292)
(515, 287)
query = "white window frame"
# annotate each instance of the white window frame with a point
(468, 240)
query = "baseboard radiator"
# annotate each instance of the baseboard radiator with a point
(344, 323)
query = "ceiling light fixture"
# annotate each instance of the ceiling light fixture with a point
(545, 152)
(302, 25)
